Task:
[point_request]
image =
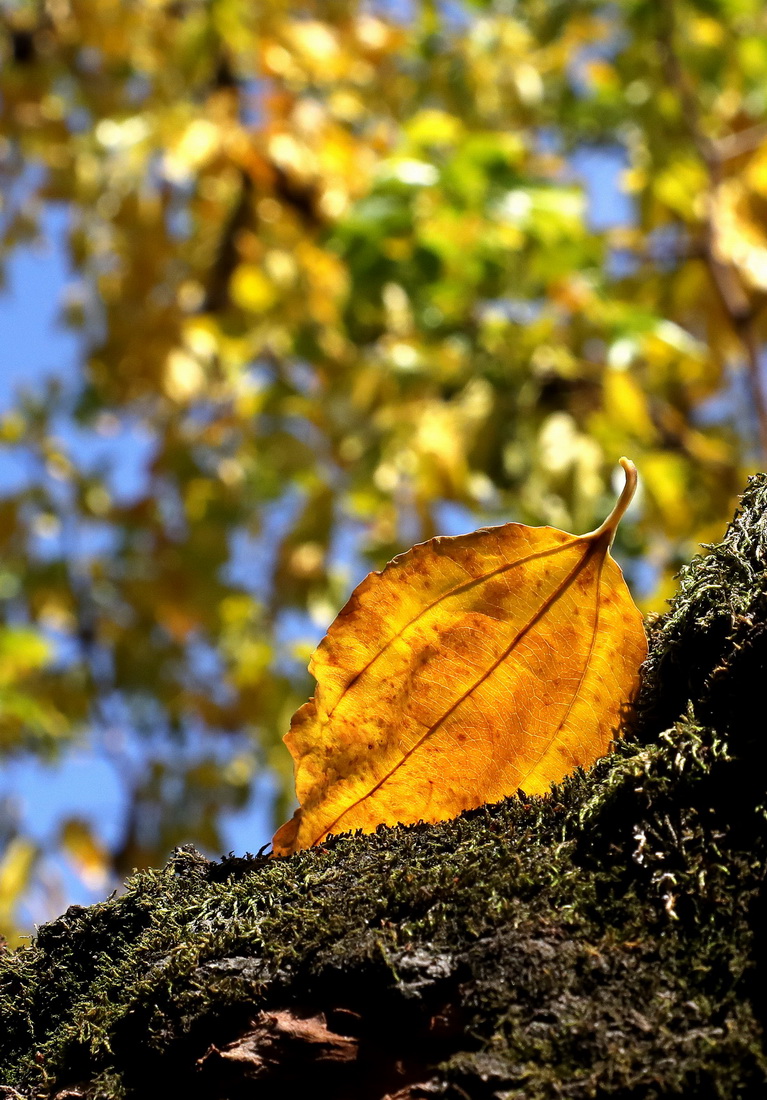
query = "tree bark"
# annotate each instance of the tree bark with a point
(605, 941)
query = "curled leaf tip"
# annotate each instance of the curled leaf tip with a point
(610, 525)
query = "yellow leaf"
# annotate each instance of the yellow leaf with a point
(680, 185)
(756, 172)
(666, 482)
(626, 403)
(16, 866)
(602, 74)
(705, 31)
(431, 127)
(739, 235)
(251, 290)
(87, 853)
(470, 667)
(22, 651)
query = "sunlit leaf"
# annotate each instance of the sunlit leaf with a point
(472, 666)
(17, 863)
(86, 851)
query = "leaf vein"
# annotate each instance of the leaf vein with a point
(539, 614)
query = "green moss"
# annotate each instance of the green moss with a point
(604, 941)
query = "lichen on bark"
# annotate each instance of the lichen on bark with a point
(604, 941)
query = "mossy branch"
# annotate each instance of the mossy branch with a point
(604, 941)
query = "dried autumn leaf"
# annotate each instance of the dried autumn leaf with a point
(470, 667)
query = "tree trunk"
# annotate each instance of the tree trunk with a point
(607, 940)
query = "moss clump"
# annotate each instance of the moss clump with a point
(605, 941)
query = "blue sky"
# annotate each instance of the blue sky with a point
(32, 345)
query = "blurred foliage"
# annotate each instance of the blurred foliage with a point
(334, 270)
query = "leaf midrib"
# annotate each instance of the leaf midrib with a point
(457, 590)
(542, 611)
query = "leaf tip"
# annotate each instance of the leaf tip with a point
(610, 525)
